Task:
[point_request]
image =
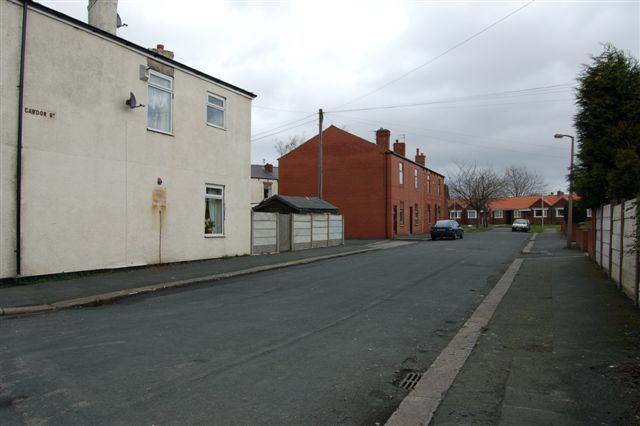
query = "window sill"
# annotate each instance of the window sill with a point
(214, 235)
(162, 132)
(217, 127)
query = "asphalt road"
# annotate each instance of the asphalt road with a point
(319, 344)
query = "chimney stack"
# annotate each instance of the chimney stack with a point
(160, 49)
(103, 14)
(268, 168)
(399, 148)
(382, 138)
(420, 158)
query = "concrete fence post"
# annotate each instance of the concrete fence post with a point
(610, 269)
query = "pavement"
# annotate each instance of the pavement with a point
(560, 347)
(559, 344)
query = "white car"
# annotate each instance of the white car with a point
(521, 225)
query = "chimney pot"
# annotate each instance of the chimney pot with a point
(420, 158)
(160, 46)
(268, 168)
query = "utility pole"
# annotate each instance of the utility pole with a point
(320, 171)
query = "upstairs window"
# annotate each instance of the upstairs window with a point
(428, 183)
(401, 173)
(415, 178)
(215, 110)
(160, 102)
(267, 190)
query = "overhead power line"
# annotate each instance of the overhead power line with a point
(432, 60)
(534, 91)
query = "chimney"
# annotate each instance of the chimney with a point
(560, 193)
(382, 138)
(103, 14)
(399, 148)
(160, 49)
(420, 158)
(268, 168)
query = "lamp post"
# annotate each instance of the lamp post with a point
(570, 215)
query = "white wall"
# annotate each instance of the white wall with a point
(257, 189)
(89, 173)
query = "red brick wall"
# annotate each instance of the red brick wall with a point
(353, 179)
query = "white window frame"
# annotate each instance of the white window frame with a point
(472, 214)
(536, 212)
(216, 197)
(498, 214)
(222, 108)
(415, 178)
(164, 89)
(589, 213)
(559, 211)
(455, 214)
(517, 214)
(401, 172)
(428, 183)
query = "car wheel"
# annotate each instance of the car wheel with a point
(461, 235)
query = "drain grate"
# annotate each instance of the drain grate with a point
(410, 381)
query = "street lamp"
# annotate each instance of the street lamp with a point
(570, 216)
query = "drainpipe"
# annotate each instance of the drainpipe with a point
(23, 49)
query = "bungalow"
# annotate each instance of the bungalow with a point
(539, 209)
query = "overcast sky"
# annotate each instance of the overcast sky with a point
(488, 81)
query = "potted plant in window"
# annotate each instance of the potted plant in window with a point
(208, 226)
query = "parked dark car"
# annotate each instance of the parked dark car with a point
(521, 225)
(446, 229)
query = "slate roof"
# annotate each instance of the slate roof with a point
(258, 172)
(292, 204)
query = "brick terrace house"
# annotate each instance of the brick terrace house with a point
(506, 210)
(380, 192)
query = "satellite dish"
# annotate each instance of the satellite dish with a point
(119, 23)
(132, 102)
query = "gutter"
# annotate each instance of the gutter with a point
(23, 49)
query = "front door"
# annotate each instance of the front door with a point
(411, 220)
(395, 220)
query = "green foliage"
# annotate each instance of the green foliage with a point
(608, 128)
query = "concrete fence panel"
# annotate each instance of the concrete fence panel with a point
(302, 228)
(615, 230)
(264, 233)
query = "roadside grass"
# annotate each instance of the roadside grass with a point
(540, 228)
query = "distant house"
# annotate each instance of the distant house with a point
(380, 192)
(264, 182)
(548, 209)
(113, 154)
